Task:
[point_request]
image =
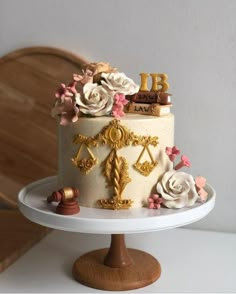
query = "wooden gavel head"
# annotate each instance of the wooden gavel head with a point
(63, 195)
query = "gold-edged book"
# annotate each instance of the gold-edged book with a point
(154, 109)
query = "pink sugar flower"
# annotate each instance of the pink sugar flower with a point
(63, 92)
(71, 87)
(66, 110)
(172, 152)
(118, 106)
(117, 111)
(87, 77)
(202, 194)
(77, 77)
(120, 99)
(200, 183)
(154, 201)
(66, 91)
(184, 162)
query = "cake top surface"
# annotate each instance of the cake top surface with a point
(101, 90)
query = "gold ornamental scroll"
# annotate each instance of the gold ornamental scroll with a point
(115, 167)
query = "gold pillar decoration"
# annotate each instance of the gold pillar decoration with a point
(115, 167)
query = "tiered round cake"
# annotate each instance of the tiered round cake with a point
(116, 142)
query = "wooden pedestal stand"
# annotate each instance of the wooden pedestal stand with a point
(116, 268)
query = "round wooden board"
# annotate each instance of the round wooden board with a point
(29, 78)
(89, 270)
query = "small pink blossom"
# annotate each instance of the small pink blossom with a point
(63, 92)
(71, 87)
(66, 110)
(77, 78)
(154, 201)
(117, 111)
(66, 91)
(118, 106)
(202, 194)
(120, 99)
(87, 76)
(184, 162)
(200, 183)
(172, 152)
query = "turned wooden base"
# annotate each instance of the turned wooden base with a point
(116, 268)
(68, 207)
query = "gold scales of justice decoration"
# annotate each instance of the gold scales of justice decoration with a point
(115, 167)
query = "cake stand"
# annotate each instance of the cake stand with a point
(116, 268)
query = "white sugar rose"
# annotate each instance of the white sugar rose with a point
(119, 83)
(95, 100)
(177, 189)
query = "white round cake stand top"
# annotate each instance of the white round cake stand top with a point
(33, 204)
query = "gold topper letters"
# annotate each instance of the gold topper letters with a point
(159, 82)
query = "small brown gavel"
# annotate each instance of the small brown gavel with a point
(63, 194)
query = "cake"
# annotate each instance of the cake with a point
(116, 142)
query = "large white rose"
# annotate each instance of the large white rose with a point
(119, 83)
(95, 100)
(177, 189)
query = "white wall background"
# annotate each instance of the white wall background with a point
(194, 42)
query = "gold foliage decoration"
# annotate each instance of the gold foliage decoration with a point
(116, 172)
(144, 140)
(108, 169)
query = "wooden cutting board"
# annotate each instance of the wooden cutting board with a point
(29, 78)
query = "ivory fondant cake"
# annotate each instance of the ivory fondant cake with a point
(132, 141)
(115, 142)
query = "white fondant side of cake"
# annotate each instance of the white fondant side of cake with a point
(93, 186)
